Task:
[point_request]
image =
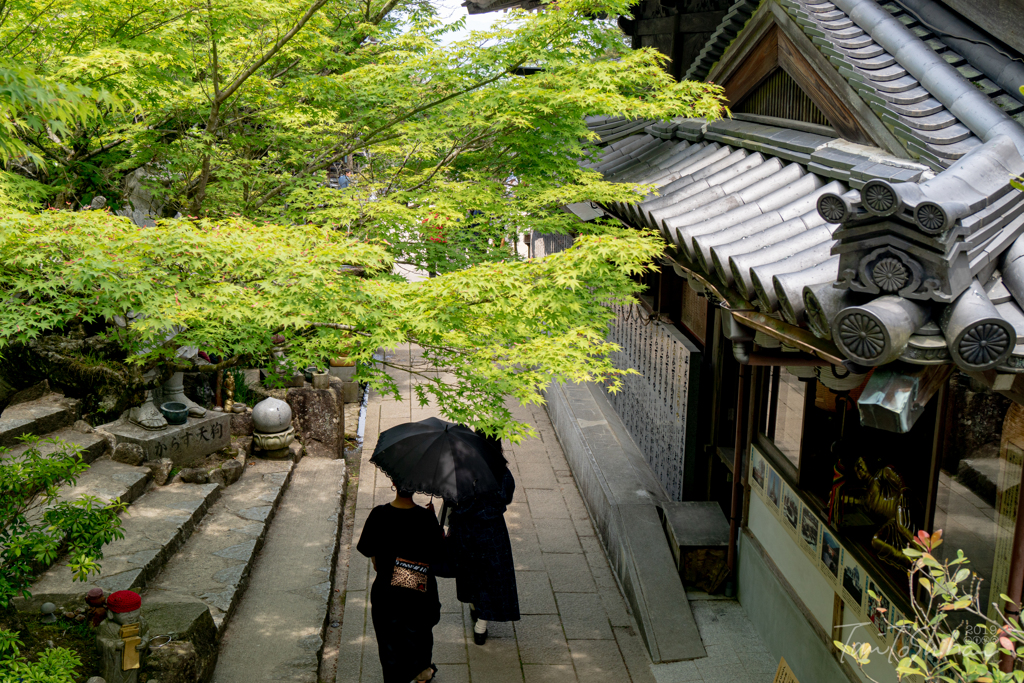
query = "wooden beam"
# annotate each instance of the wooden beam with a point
(656, 27)
(700, 22)
(760, 62)
(838, 114)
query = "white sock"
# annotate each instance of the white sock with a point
(480, 626)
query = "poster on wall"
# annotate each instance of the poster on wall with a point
(881, 618)
(898, 645)
(757, 466)
(809, 531)
(790, 512)
(853, 584)
(830, 556)
(773, 489)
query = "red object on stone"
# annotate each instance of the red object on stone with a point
(94, 598)
(124, 601)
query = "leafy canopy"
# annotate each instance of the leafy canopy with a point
(240, 107)
(499, 329)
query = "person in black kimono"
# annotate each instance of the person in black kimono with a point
(481, 555)
(403, 541)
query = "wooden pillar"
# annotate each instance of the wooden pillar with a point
(735, 509)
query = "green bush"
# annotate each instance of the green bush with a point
(935, 646)
(37, 524)
(54, 665)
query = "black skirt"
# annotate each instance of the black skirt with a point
(404, 644)
(481, 555)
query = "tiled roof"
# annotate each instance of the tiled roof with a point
(879, 255)
(732, 23)
(939, 103)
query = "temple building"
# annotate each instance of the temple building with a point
(832, 347)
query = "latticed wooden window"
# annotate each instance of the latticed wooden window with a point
(781, 97)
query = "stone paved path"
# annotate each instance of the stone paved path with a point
(277, 630)
(575, 624)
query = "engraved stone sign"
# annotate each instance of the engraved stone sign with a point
(182, 444)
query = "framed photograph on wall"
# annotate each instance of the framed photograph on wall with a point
(790, 512)
(757, 471)
(809, 531)
(773, 489)
(830, 556)
(880, 619)
(853, 579)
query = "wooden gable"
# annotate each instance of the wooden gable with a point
(770, 44)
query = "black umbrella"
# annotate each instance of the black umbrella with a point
(439, 458)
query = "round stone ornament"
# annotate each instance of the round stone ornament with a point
(271, 415)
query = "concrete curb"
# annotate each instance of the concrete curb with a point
(623, 499)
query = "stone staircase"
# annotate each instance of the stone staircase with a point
(187, 548)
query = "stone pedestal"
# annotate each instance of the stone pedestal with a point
(182, 444)
(343, 373)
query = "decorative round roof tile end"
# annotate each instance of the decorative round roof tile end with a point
(879, 198)
(832, 208)
(861, 336)
(985, 345)
(931, 218)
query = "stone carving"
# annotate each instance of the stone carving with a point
(862, 335)
(122, 638)
(930, 218)
(890, 275)
(174, 390)
(273, 442)
(148, 415)
(879, 198)
(271, 416)
(272, 430)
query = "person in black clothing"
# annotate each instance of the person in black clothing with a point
(403, 541)
(481, 555)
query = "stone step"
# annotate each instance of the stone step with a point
(109, 481)
(43, 415)
(92, 445)
(155, 526)
(213, 565)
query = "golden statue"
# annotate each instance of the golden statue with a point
(882, 496)
(229, 392)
